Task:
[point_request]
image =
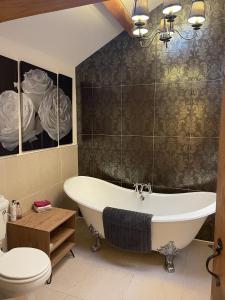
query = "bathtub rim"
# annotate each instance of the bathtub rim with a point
(189, 216)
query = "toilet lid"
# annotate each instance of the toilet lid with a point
(23, 263)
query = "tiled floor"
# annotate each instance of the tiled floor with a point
(115, 275)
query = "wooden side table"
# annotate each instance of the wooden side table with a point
(52, 232)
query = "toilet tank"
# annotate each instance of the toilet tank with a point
(4, 204)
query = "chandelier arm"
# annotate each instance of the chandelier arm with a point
(148, 37)
(149, 40)
(186, 38)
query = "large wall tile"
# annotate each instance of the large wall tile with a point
(171, 162)
(85, 155)
(144, 58)
(203, 163)
(3, 179)
(23, 175)
(85, 105)
(173, 63)
(206, 103)
(37, 175)
(168, 190)
(107, 110)
(107, 63)
(50, 169)
(137, 159)
(107, 157)
(138, 109)
(68, 157)
(209, 48)
(207, 231)
(84, 73)
(172, 110)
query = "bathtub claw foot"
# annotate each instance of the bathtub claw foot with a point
(169, 251)
(97, 246)
(98, 243)
(169, 264)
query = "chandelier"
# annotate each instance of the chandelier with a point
(167, 28)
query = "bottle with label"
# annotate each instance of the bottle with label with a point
(18, 211)
(13, 211)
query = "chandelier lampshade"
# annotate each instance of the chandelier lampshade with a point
(171, 7)
(140, 12)
(140, 31)
(197, 14)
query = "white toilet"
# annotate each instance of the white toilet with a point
(22, 270)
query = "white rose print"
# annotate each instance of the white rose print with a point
(48, 113)
(9, 119)
(36, 83)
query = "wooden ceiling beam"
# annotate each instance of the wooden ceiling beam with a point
(120, 13)
(15, 9)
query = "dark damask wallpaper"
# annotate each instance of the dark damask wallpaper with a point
(152, 115)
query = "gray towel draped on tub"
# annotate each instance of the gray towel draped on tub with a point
(128, 230)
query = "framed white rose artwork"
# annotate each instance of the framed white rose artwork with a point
(9, 107)
(39, 107)
(65, 94)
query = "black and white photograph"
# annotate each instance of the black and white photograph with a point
(39, 107)
(65, 94)
(9, 107)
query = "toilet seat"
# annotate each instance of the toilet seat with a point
(23, 265)
(26, 281)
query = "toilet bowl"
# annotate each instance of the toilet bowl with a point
(22, 270)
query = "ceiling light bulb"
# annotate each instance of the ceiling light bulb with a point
(171, 7)
(140, 31)
(197, 15)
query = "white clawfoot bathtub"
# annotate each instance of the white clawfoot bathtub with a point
(176, 217)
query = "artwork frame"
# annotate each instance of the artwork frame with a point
(41, 108)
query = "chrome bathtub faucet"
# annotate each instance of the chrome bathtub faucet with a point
(139, 187)
(148, 186)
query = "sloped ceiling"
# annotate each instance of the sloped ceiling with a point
(69, 35)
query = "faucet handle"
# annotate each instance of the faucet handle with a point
(149, 187)
(136, 186)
